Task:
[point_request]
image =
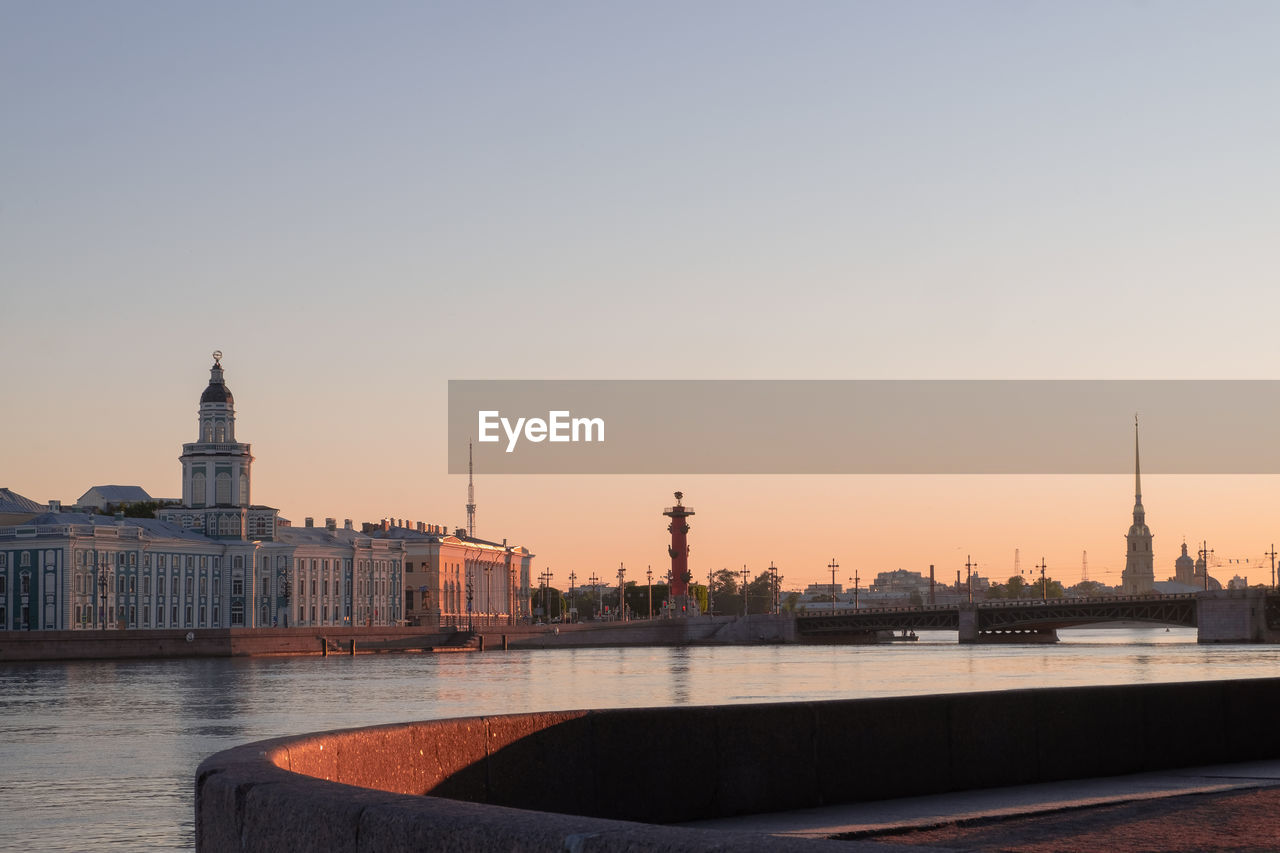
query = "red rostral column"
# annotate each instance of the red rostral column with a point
(679, 551)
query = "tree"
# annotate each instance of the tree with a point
(555, 606)
(1088, 589)
(761, 592)
(637, 597)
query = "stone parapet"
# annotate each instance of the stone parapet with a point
(597, 780)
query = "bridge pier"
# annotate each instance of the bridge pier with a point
(1234, 616)
(968, 624)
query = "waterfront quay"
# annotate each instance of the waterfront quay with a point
(1235, 616)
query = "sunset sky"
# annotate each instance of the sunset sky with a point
(356, 203)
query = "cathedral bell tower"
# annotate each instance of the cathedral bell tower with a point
(1139, 574)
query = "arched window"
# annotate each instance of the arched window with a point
(244, 490)
(208, 430)
(222, 489)
(220, 432)
(197, 489)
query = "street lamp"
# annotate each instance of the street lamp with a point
(102, 589)
(744, 590)
(648, 573)
(573, 576)
(595, 582)
(488, 598)
(856, 580)
(470, 593)
(833, 565)
(773, 586)
(622, 607)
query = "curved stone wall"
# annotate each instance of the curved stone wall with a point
(592, 780)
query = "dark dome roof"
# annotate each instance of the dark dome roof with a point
(217, 392)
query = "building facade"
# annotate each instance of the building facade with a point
(455, 579)
(214, 561)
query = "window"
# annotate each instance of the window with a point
(191, 587)
(133, 616)
(160, 616)
(217, 587)
(237, 615)
(162, 561)
(204, 587)
(24, 560)
(326, 586)
(202, 612)
(197, 492)
(24, 585)
(133, 584)
(146, 617)
(301, 613)
(146, 585)
(173, 614)
(222, 488)
(302, 588)
(313, 586)
(187, 614)
(265, 617)
(313, 613)
(160, 585)
(237, 585)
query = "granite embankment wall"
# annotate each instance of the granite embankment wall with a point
(592, 780)
(705, 630)
(226, 642)
(207, 642)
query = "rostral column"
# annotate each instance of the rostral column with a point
(679, 552)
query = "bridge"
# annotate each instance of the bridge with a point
(1236, 616)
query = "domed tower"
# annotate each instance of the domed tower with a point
(215, 467)
(1139, 573)
(1184, 568)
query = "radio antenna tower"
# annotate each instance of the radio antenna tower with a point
(1084, 566)
(471, 495)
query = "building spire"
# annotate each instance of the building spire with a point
(1137, 467)
(1139, 515)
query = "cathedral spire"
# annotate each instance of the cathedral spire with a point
(1137, 468)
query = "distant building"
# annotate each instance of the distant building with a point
(1184, 568)
(816, 589)
(900, 582)
(452, 578)
(99, 497)
(1138, 577)
(14, 508)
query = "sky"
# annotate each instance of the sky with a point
(358, 203)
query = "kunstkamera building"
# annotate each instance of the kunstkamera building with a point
(218, 560)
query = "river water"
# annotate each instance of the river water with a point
(98, 755)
